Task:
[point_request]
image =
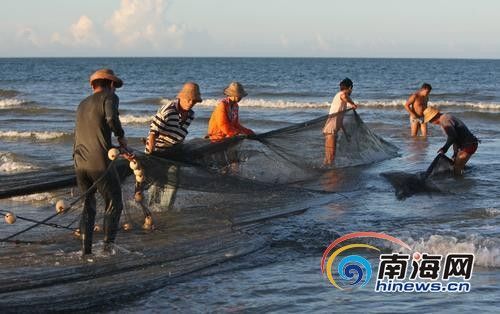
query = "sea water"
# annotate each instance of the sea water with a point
(38, 100)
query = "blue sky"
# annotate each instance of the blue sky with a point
(256, 28)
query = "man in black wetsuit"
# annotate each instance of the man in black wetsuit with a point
(96, 117)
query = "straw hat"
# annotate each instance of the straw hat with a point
(430, 113)
(190, 90)
(106, 74)
(235, 89)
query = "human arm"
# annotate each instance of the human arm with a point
(409, 106)
(151, 141)
(346, 98)
(451, 134)
(112, 118)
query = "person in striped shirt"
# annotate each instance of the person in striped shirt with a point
(169, 126)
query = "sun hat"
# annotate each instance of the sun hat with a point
(430, 113)
(106, 74)
(190, 90)
(235, 89)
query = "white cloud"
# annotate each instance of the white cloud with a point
(27, 35)
(82, 32)
(137, 22)
(79, 34)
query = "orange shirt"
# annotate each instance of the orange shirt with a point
(225, 122)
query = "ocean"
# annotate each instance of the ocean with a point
(39, 97)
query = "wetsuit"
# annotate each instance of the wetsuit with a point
(96, 117)
(458, 135)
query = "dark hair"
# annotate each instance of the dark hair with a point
(426, 86)
(346, 83)
(104, 83)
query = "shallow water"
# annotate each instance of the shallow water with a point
(36, 123)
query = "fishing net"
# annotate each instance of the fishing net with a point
(240, 174)
(206, 201)
(408, 184)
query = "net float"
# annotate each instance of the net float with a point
(140, 179)
(134, 164)
(61, 206)
(138, 172)
(138, 197)
(113, 153)
(148, 223)
(10, 218)
(127, 227)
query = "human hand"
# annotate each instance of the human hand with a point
(123, 142)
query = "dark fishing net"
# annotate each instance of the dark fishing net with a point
(239, 174)
(408, 184)
(207, 202)
(291, 154)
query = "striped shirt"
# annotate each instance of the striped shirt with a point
(168, 126)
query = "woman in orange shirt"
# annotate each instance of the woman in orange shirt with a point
(225, 122)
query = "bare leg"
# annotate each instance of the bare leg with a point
(330, 147)
(413, 128)
(423, 129)
(460, 161)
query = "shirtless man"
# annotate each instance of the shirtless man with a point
(415, 106)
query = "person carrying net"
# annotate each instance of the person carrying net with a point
(224, 121)
(96, 118)
(464, 142)
(168, 129)
(335, 120)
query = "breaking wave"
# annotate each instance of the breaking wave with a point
(9, 163)
(486, 250)
(284, 104)
(133, 119)
(10, 103)
(42, 136)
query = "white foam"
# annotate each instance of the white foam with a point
(33, 197)
(282, 104)
(8, 164)
(32, 135)
(10, 103)
(438, 104)
(131, 119)
(486, 251)
(261, 103)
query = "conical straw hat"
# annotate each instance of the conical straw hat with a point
(190, 90)
(106, 74)
(235, 89)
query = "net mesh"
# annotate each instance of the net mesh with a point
(239, 176)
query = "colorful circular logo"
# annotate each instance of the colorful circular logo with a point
(352, 269)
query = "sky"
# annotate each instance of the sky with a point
(251, 28)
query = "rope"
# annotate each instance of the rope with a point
(54, 225)
(44, 222)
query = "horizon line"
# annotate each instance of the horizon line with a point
(245, 57)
